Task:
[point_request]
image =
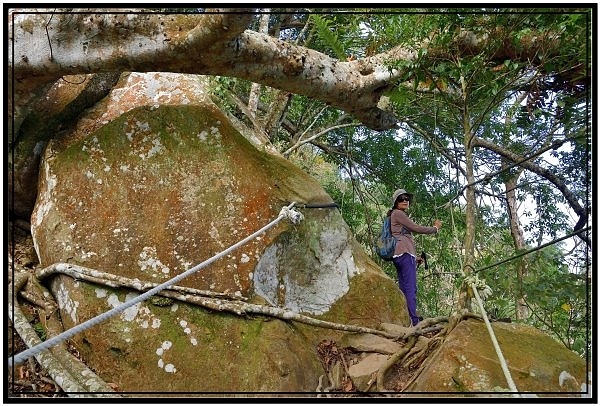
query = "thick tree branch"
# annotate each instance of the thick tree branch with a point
(52, 44)
(209, 44)
(552, 177)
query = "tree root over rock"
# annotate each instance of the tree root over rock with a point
(419, 346)
(393, 359)
(220, 302)
(408, 362)
(73, 376)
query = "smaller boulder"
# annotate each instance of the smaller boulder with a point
(372, 343)
(364, 373)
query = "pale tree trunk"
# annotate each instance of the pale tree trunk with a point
(471, 206)
(521, 310)
(255, 89)
(510, 185)
(276, 112)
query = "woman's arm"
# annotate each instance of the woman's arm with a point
(399, 219)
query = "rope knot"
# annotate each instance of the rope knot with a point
(484, 290)
(292, 215)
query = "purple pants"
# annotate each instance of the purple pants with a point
(406, 266)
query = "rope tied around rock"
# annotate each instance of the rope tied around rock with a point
(294, 217)
(480, 289)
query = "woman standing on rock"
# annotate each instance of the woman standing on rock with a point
(404, 258)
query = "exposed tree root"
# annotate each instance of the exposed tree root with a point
(211, 300)
(66, 370)
(418, 348)
(391, 361)
(432, 345)
(421, 356)
(107, 279)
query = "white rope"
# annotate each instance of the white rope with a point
(285, 212)
(475, 283)
(511, 383)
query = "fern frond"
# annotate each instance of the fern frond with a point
(327, 34)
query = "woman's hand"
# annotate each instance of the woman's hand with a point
(437, 224)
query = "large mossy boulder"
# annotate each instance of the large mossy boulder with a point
(147, 186)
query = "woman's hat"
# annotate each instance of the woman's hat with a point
(400, 192)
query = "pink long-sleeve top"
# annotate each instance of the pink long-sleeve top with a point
(403, 228)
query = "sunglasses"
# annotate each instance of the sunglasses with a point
(404, 199)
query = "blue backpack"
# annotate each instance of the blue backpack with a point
(386, 243)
